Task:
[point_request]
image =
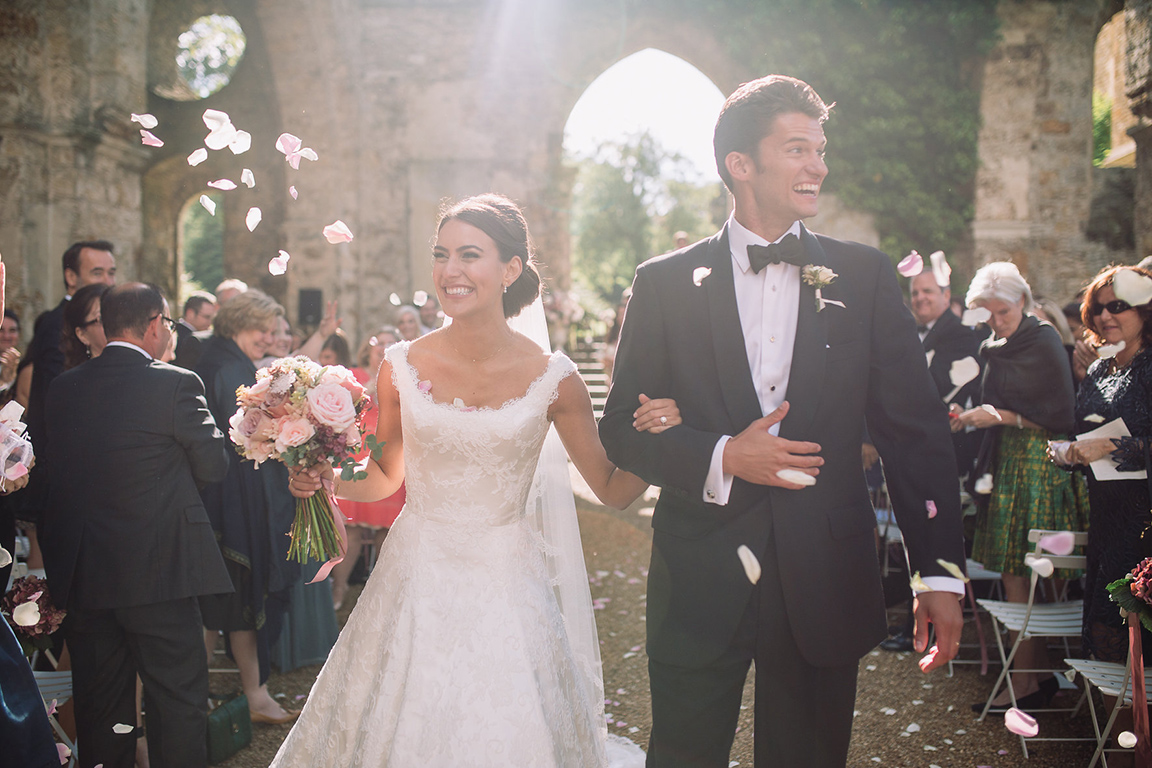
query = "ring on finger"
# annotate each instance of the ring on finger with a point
(663, 419)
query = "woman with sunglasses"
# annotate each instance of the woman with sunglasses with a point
(1118, 386)
(1027, 399)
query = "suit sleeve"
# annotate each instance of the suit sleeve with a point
(679, 457)
(909, 427)
(196, 431)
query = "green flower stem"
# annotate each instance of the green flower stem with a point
(313, 534)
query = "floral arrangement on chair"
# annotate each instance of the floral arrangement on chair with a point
(29, 610)
(1133, 593)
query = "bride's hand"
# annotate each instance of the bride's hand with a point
(303, 483)
(655, 416)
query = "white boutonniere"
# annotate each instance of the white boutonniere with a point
(819, 277)
(700, 273)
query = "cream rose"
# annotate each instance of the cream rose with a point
(332, 406)
(293, 432)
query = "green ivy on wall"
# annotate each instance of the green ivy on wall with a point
(905, 76)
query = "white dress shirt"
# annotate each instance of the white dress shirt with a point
(129, 345)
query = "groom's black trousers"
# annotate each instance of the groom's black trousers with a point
(803, 713)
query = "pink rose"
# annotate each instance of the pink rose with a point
(352, 436)
(293, 433)
(255, 394)
(338, 374)
(332, 406)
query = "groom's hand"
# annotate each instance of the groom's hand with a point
(942, 610)
(756, 455)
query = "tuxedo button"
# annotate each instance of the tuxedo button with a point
(772, 388)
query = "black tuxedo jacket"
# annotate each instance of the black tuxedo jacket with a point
(130, 441)
(861, 361)
(189, 346)
(946, 342)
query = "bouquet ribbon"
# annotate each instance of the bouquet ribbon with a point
(1139, 694)
(338, 522)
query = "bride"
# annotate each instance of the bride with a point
(473, 643)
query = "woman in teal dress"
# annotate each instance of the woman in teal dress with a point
(1027, 399)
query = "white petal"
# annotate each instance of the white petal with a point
(420, 298)
(1106, 351)
(214, 118)
(145, 120)
(984, 484)
(394, 300)
(208, 204)
(253, 218)
(224, 184)
(5, 558)
(1041, 565)
(338, 232)
(940, 269)
(912, 727)
(750, 563)
(221, 137)
(1020, 723)
(122, 728)
(292, 191)
(241, 143)
(277, 266)
(1094, 418)
(973, 317)
(27, 614)
(1126, 739)
(796, 476)
(991, 411)
(699, 274)
(197, 157)
(918, 584)
(247, 178)
(929, 356)
(953, 569)
(1132, 287)
(309, 154)
(963, 371)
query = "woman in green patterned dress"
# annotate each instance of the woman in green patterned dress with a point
(1027, 399)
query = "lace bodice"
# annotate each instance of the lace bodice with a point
(472, 465)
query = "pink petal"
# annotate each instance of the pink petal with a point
(64, 753)
(208, 203)
(928, 658)
(911, 265)
(338, 232)
(35, 596)
(197, 157)
(221, 137)
(292, 191)
(253, 218)
(240, 143)
(424, 386)
(931, 507)
(215, 119)
(288, 144)
(51, 708)
(148, 140)
(145, 120)
(293, 160)
(1021, 723)
(1061, 543)
(224, 184)
(247, 178)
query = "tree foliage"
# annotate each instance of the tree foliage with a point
(209, 52)
(202, 238)
(1101, 127)
(629, 200)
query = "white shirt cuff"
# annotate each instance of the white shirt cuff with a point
(943, 584)
(717, 485)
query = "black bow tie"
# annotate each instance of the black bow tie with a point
(787, 251)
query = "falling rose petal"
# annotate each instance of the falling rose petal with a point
(247, 178)
(983, 485)
(953, 569)
(27, 614)
(795, 476)
(1021, 723)
(197, 157)
(1041, 565)
(927, 659)
(424, 386)
(221, 137)
(973, 317)
(931, 507)
(940, 269)
(750, 563)
(912, 727)
(1094, 418)
(122, 728)
(963, 371)
(5, 558)
(420, 298)
(208, 204)
(145, 120)
(1106, 351)
(699, 274)
(50, 708)
(1059, 543)
(309, 154)
(279, 264)
(1132, 287)
(1126, 739)
(148, 140)
(918, 584)
(338, 232)
(35, 595)
(64, 753)
(240, 143)
(225, 184)
(287, 143)
(911, 265)
(394, 299)
(214, 119)
(991, 411)
(292, 191)
(253, 218)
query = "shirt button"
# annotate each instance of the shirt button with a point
(772, 388)
(772, 339)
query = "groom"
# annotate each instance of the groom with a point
(776, 363)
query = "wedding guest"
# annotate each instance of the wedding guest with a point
(430, 315)
(83, 330)
(408, 322)
(368, 521)
(228, 289)
(329, 324)
(193, 327)
(249, 509)
(1026, 400)
(9, 354)
(282, 339)
(336, 350)
(1048, 311)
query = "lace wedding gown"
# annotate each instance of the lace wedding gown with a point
(457, 653)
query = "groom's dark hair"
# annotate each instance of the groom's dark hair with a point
(748, 115)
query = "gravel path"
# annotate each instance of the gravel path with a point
(904, 718)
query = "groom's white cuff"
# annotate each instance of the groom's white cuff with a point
(943, 584)
(717, 485)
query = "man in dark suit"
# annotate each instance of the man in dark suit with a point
(819, 342)
(194, 326)
(127, 542)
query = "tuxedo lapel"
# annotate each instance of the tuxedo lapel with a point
(736, 385)
(810, 353)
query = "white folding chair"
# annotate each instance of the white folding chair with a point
(1031, 619)
(57, 686)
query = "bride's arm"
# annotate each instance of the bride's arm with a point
(572, 415)
(384, 474)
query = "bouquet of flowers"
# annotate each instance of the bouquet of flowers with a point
(1133, 593)
(301, 413)
(16, 456)
(28, 608)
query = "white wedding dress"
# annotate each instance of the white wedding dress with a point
(457, 653)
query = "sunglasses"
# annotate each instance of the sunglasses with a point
(1114, 308)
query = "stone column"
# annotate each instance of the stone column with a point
(1138, 88)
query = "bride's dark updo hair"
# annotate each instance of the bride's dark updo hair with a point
(501, 219)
